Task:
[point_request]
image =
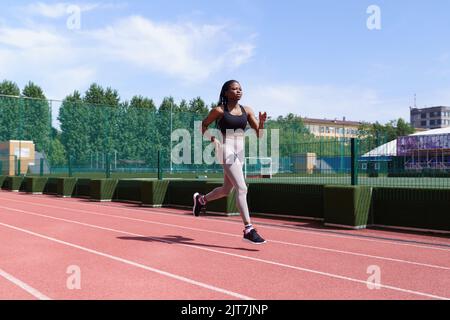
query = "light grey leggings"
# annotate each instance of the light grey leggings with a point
(233, 162)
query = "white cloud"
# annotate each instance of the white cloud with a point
(22, 38)
(64, 82)
(50, 11)
(61, 9)
(67, 80)
(45, 56)
(325, 101)
(54, 10)
(184, 51)
(61, 61)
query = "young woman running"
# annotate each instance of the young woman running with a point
(232, 120)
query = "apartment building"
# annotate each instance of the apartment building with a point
(430, 118)
(332, 128)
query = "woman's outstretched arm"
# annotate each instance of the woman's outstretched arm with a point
(257, 125)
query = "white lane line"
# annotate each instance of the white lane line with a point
(35, 293)
(233, 235)
(215, 251)
(391, 242)
(132, 263)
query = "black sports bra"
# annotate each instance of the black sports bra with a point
(229, 121)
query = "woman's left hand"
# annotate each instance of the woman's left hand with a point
(262, 117)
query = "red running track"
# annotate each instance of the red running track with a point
(54, 248)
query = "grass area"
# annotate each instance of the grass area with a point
(124, 175)
(339, 179)
(438, 183)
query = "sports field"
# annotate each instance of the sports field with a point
(343, 179)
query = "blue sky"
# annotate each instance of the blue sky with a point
(312, 58)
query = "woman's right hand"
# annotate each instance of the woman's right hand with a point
(216, 142)
(218, 150)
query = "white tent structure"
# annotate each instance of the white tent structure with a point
(390, 148)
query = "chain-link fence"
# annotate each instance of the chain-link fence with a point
(122, 141)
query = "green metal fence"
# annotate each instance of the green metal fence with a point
(121, 141)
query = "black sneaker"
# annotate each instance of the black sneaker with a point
(253, 237)
(197, 205)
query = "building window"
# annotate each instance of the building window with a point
(439, 121)
(423, 115)
(322, 129)
(423, 123)
(432, 122)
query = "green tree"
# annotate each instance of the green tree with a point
(36, 125)
(377, 134)
(197, 111)
(387, 132)
(293, 134)
(404, 128)
(137, 133)
(9, 111)
(198, 106)
(9, 88)
(166, 120)
(103, 114)
(76, 138)
(57, 156)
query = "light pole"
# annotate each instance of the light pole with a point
(19, 162)
(170, 137)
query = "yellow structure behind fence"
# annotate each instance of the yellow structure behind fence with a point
(14, 150)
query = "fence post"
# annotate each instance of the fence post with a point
(354, 161)
(342, 152)
(41, 167)
(160, 176)
(108, 166)
(18, 167)
(70, 165)
(321, 155)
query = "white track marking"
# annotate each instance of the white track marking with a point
(233, 235)
(35, 293)
(132, 263)
(392, 242)
(204, 249)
